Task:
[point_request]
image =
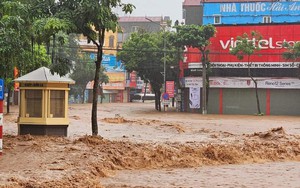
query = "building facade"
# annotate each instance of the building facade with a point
(231, 89)
(245, 12)
(129, 25)
(115, 90)
(192, 12)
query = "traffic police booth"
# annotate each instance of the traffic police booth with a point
(43, 107)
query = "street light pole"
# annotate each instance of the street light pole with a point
(164, 49)
(164, 62)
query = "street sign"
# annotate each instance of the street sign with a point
(165, 96)
(166, 102)
(1, 89)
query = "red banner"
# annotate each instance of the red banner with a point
(132, 79)
(170, 88)
(271, 44)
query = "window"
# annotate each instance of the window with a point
(267, 19)
(135, 28)
(184, 13)
(57, 103)
(33, 100)
(111, 41)
(217, 19)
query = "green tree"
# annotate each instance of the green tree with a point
(197, 37)
(92, 18)
(143, 53)
(292, 52)
(14, 40)
(82, 73)
(50, 31)
(103, 79)
(246, 47)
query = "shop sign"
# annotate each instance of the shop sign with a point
(255, 65)
(266, 83)
(271, 45)
(193, 65)
(193, 82)
(114, 86)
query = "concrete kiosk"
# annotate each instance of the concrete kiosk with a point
(43, 107)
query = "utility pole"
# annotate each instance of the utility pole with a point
(164, 49)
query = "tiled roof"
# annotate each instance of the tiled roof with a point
(43, 75)
(241, 1)
(140, 19)
(191, 2)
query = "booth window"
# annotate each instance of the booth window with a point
(57, 103)
(33, 103)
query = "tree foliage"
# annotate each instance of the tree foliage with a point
(144, 53)
(15, 41)
(197, 37)
(92, 18)
(246, 47)
(292, 51)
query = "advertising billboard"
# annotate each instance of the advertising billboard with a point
(271, 45)
(251, 12)
(116, 81)
(110, 63)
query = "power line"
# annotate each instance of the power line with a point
(85, 50)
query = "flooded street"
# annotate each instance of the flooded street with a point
(140, 147)
(275, 175)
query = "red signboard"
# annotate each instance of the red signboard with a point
(271, 44)
(170, 88)
(133, 79)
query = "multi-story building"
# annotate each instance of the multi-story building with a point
(231, 89)
(128, 25)
(121, 83)
(192, 12)
(115, 90)
(247, 12)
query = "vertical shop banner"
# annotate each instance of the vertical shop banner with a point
(170, 88)
(133, 78)
(16, 75)
(194, 97)
(1, 112)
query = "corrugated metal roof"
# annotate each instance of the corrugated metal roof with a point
(140, 19)
(43, 75)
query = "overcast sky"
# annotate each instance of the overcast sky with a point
(172, 8)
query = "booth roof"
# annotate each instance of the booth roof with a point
(43, 75)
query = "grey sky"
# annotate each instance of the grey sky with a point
(172, 8)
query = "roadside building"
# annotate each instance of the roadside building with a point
(129, 25)
(115, 90)
(231, 89)
(121, 84)
(192, 12)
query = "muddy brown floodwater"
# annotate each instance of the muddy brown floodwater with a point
(139, 147)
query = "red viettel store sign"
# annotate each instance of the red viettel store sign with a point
(271, 45)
